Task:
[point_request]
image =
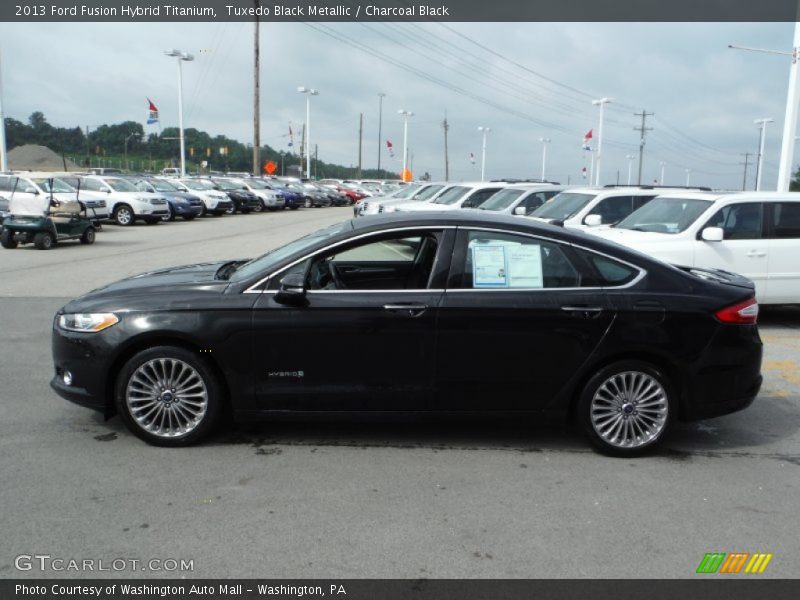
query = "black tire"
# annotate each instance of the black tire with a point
(260, 206)
(141, 363)
(204, 212)
(231, 210)
(88, 236)
(293, 207)
(124, 215)
(43, 240)
(170, 216)
(7, 240)
(597, 400)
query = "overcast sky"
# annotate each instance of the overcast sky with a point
(704, 95)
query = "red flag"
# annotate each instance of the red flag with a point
(390, 148)
(153, 115)
(152, 106)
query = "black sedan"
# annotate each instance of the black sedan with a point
(448, 312)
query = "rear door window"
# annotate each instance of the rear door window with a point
(786, 220)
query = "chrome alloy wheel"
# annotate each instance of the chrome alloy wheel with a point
(629, 409)
(167, 397)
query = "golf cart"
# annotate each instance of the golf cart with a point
(44, 221)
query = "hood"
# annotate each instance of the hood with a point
(148, 290)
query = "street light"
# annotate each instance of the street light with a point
(381, 96)
(182, 57)
(601, 103)
(406, 114)
(483, 130)
(544, 141)
(630, 158)
(661, 181)
(310, 92)
(761, 138)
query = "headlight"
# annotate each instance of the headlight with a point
(87, 322)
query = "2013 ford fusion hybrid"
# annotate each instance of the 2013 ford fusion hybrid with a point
(452, 312)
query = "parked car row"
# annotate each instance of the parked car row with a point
(45, 208)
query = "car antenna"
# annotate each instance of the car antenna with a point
(14, 189)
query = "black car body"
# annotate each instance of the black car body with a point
(243, 200)
(452, 312)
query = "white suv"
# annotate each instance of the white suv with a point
(215, 201)
(28, 185)
(460, 195)
(126, 202)
(582, 208)
(755, 234)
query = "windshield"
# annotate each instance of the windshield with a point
(121, 185)
(563, 206)
(226, 184)
(58, 185)
(665, 215)
(502, 199)
(428, 193)
(197, 184)
(162, 186)
(257, 184)
(266, 261)
(452, 195)
(404, 192)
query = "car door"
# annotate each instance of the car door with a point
(744, 247)
(514, 323)
(364, 339)
(783, 276)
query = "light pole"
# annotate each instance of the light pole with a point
(761, 139)
(661, 181)
(544, 141)
(601, 103)
(630, 158)
(483, 130)
(406, 114)
(688, 173)
(310, 92)
(134, 134)
(381, 96)
(182, 57)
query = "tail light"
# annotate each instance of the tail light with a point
(742, 313)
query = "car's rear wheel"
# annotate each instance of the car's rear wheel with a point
(43, 240)
(626, 408)
(123, 215)
(88, 236)
(7, 240)
(259, 207)
(168, 396)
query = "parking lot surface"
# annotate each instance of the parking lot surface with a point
(409, 499)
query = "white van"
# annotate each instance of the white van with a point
(582, 208)
(754, 234)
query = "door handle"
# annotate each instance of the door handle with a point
(412, 310)
(756, 254)
(587, 312)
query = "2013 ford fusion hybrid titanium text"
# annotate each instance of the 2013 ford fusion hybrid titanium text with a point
(449, 312)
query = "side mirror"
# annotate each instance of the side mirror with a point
(520, 210)
(107, 190)
(292, 290)
(713, 234)
(593, 220)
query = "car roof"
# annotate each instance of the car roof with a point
(736, 196)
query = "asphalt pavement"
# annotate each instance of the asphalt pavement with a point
(409, 499)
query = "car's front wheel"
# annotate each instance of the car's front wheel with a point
(123, 215)
(168, 396)
(626, 408)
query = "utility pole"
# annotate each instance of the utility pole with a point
(381, 96)
(360, 136)
(446, 127)
(746, 160)
(256, 98)
(643, 132)
(601, 103)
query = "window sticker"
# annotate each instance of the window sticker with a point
(524, 266)
(489, 267)
(507, 266)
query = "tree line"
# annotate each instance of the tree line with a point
(221, 153)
